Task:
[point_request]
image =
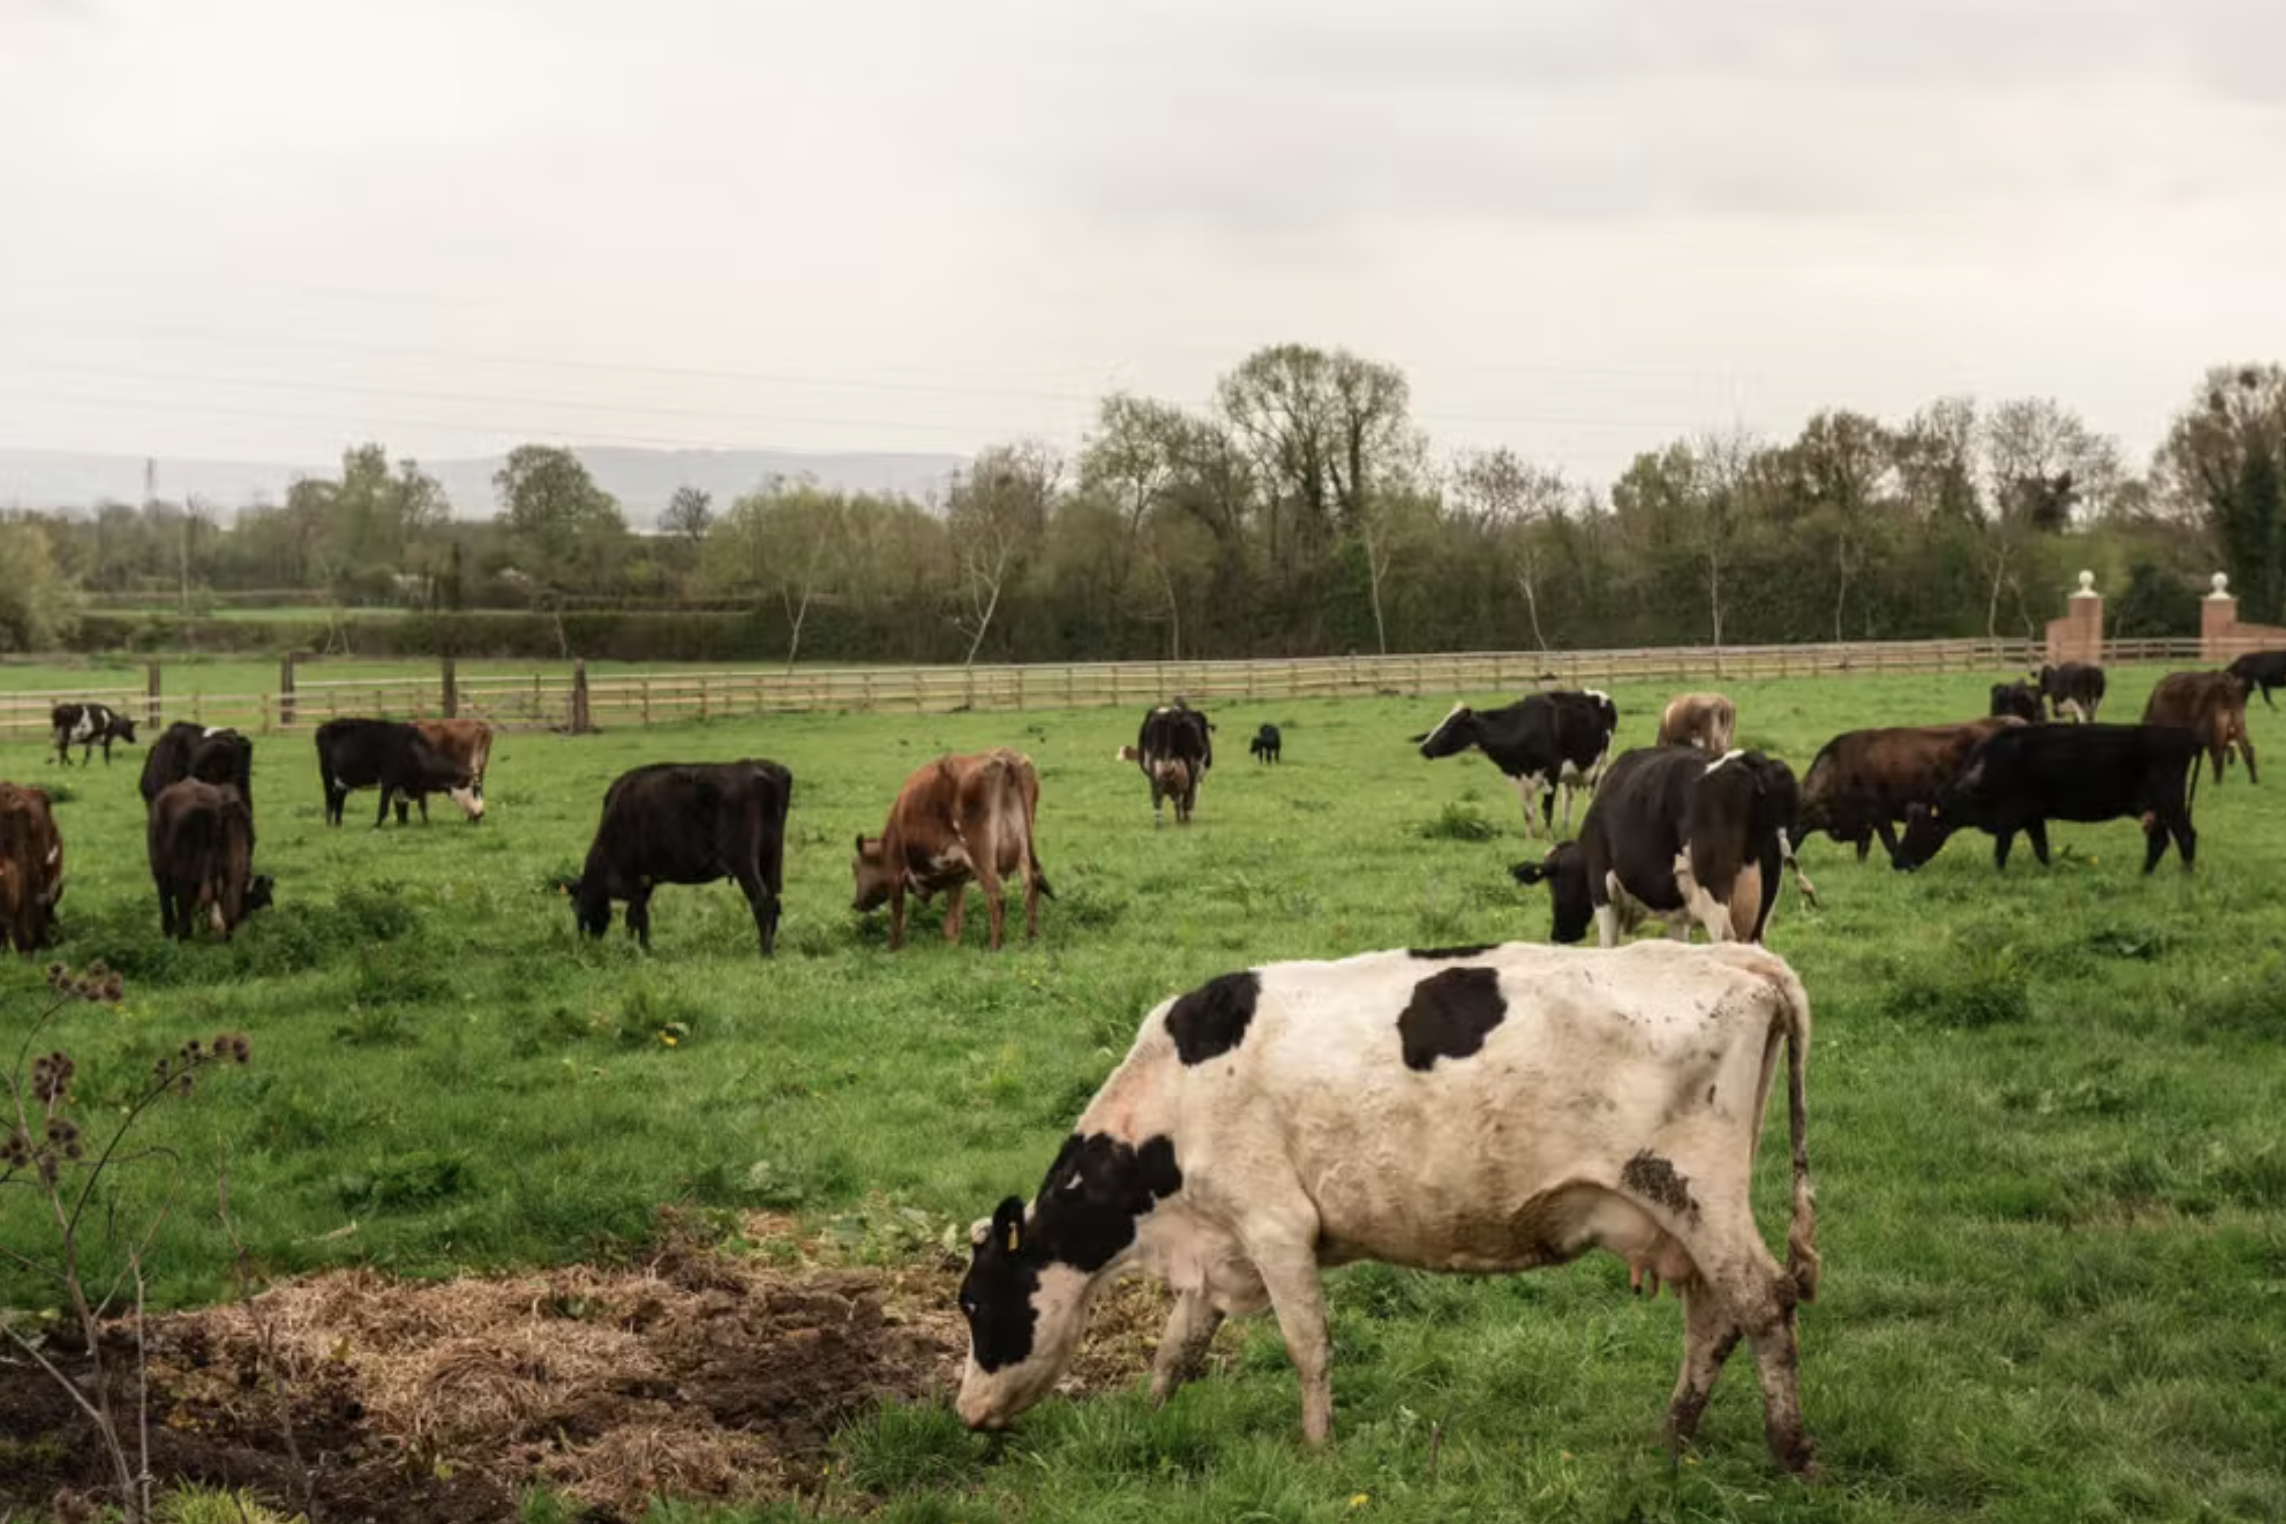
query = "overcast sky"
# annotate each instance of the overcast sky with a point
(257, 228)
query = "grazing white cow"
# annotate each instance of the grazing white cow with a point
(1483, 1110)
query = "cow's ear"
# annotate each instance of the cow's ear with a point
(1008, 1225)
(1528, 873)
(861, 844)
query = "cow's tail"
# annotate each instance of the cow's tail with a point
(1802, 1263)
(1021, 780)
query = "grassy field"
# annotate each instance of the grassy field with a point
(2044, 1111)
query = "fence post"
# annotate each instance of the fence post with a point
(578, 696)
(285, 692)
(151, 707)
(645, 680)
(702, 698)
(451, 689)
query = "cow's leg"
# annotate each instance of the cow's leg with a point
(166, 911)
(1031, 899)
(2246, 755)
(381, 817)
(639, 914)
(2036, 832)
(1709, 1335)
(1887, 831)
(956, 912)
(1865, 846)
(988, 881)
(2002, 840)
(2186, 839)
(1288, 1265)
(897, 911)
(1528, 791)
(1183, 1343)
(1607, 925)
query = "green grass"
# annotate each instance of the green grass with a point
(2044, 1110)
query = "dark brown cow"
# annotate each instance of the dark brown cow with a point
(31, 868)
(2212, 706)
(1862, 783)
(957, 818)
(1704, 720)
(201, 842)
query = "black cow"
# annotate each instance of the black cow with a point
(2020, 699)
(1175, 748)
(1266, 744)
(201, 840)
(2021, 778)
(1680, 835)
(687, 823)
(2262, 670)
(360, 753)
(2076, 686)
(88, 726)
(1541, 742)
(185, 750)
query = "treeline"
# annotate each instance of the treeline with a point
(1303, 512)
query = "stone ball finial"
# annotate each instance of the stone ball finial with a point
(2221, 581)
(2087, 585)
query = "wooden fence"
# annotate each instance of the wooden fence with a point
(574, 700)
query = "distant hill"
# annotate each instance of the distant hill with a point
(642, 480)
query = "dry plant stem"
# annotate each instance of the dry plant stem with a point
(265, 1344)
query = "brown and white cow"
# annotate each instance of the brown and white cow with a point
(468, 743)
(31, 868)
(1864, 783)
(2212, 706)
(201, 841)
(1705, 720)
(1476, 1110)
(1677, 836)
(957, 818)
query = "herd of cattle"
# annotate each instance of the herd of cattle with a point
(1306, 1114)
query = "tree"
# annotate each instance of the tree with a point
(2040, 464)
(2223, 466)
(997, 515)
(786, 540)
(562, 525)
(1835, 473)
(688, 516)
(37, 605)
(1511, 501)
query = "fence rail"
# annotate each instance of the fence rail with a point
(573, 699)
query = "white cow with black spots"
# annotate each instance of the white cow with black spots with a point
(1484, 1110)
(1542, 743)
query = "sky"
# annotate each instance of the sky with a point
(257, 229)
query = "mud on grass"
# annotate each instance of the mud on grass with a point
(696, 1375)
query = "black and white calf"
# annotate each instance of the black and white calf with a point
(1540, 743)
(88, 726)
(1680, 836)
(2075, 687)
(1479, 1110)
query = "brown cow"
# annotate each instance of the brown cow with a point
(1862, 782)
(201, 844)
(1704, 720)
(2212, 706)
(466, 742)
(957, 818)
(31, 868)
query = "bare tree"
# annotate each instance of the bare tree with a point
(1510, 500)
(2040, 465)
(997, 514)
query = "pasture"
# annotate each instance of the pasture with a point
(2044, 1124)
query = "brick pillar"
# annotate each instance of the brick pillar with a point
(2218, 616)
(2078, 636)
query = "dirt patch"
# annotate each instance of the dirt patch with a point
(697, 1375)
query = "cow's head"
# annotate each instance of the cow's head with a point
(870, 867)
(1031, 1278)
(1456, 732)
(259, 890)
(1564, 871)
(590, 897)
(123, 728)
(470, 799)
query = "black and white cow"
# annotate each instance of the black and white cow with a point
(1540, 743)
(1175, 748)
(2021, 778)
(88, 726)
(687, 823)
(1681, 836)
(390, 754)
(2074, 687)
(1476, 1110)
(2020, 700)
(2262, 670)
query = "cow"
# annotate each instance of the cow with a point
(2261, 669)
(1175, 748)
(1862, 782)
(2020, 779)
(362, 753)
(467, 742)
(201, 841)
(1472, 1110)
(1704, 720)
(957, 818)
(2020, 699)
(2076, 687)
(687, 823)
(31, 868)
(1680, 836)
(2212, 705)
(1266, 744)
(88, 726)
(188, 750)
(1540, 743)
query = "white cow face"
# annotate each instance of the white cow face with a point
(470, 800)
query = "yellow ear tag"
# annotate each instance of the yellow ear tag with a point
(1014, 1232)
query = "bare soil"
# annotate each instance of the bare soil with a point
(695, 1375)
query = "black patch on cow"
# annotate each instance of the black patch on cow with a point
(1655, 1179)
(1211, 1020)
(1094, 1193)
(1450, 1015)
(1439, 953)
